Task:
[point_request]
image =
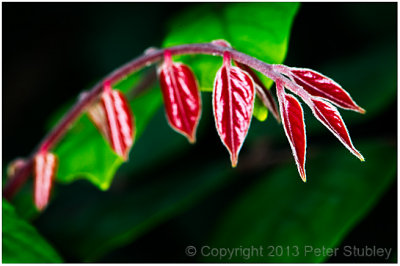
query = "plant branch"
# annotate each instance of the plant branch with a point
(53, 137)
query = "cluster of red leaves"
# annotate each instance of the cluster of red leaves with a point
(235, 89)
(233, 102)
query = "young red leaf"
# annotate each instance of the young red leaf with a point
(328, 115)
(113, 118)
(262, 92)
(233, 102)
(319, 85)
(45, 167)
(293, 123)
(181, 97)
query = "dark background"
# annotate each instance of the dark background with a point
(53, 51)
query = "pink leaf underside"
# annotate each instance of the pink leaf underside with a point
(263, 93)
(328, 115)
(44, 172)
(181, 98)
(113, 118)
(319, 85)
(222, 42)
(293, 123)
(233, 102)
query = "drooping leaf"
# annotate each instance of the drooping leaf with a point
(259, 29)
(84, 154)
(319, 85)
(83, 143)
(233, 106)
(262, 92)
(279, 212)
(181, 95)
(328, 115)
(264, 98)
(45, 169)
(293, 123)
(114, 119)
(21, 242)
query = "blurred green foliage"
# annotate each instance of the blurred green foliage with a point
(316, 214)
(262, 201)
(21, 242)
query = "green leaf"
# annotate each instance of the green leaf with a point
(102, 222)
(259, 29)
(22, 243)
(84, 154)
(280, 210)
(260, 111)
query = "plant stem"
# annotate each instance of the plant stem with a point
(53, 137)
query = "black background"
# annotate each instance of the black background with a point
(53, 51)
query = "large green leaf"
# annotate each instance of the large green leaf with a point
(281, 210)
(21, 242)
(261, 30)
(83, 152)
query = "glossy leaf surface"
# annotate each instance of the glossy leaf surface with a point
(319, 85)
(21, 241)
(293, 123)
(181, 96)
(328, 115)
(233, 101)
(45, 167)
(253, 34)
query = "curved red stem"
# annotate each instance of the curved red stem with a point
(52, 138)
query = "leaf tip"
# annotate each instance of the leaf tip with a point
(303, 175)
(359, 155)
(361, 110)
(192, 139)
(234, 160)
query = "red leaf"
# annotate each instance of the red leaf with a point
(45, 166)
(328, 115)
(262, 92)
(181, 97)
(233, 102)
(113, 118)
(319, 85)
(293, 123)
